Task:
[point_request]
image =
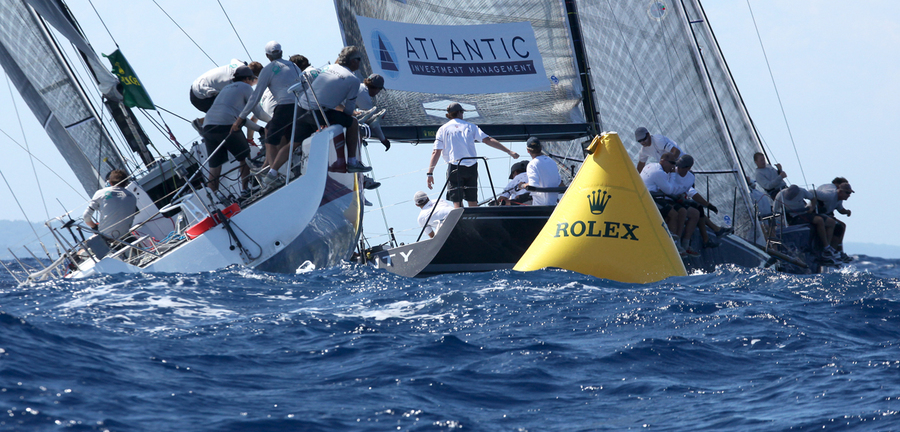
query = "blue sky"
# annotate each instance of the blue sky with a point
(834, 62)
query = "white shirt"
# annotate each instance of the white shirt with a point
(213, 81)
(117, 208)
(267, 104)
(659, 144)
(656, 179)
(511, 187)
(542, 172)
(443, 209)
(682, 185)
(456, 139)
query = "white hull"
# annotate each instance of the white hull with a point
(316, 217)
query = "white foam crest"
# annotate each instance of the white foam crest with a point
(402, 309)
(141, 302)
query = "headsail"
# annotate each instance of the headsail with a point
(35, 65)
(514, 60)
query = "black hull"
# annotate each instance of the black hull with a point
(471, 239)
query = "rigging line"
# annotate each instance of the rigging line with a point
(104, 23)
(20, 206)
(772, 76)
(377, 192)
(27, 148)
(185, 33)
(170, 112)
(42, 163)
(633, 63)
(235, 30)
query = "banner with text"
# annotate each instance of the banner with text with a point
(465, 59)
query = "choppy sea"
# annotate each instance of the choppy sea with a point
(356, 349)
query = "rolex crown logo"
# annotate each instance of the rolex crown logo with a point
(598, 200)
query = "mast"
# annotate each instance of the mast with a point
(134, 134)
(587, 93)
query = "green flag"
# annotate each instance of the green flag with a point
(133, 92)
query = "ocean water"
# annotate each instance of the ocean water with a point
(357, 349)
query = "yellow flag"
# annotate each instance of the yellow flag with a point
(606, 225)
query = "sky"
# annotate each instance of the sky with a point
(834, 64)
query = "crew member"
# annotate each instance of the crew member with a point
(770, 178)
(513, 193)
(336, 86)
(277, 77)
(542, 172)
(117, 207)
(431, 221)
(207, 86)
(654, 146)
(219, 134)
(458, 137)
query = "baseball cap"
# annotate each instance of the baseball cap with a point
(273, 47)
(846, 187)
(521, 166)
(685, 161)
(420, 198)
(533, 143)
(641, 133)
(376, 80)
(454, 107)
(243, 72)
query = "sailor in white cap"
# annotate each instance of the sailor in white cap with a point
(431, 221)
(277, 76)
(653, 146)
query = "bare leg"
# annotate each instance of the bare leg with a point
(703, 234)
(213, 182)
(679, 221)
(472, 203)
(693, 216)
(352, 139)
(821, 232)
(245, 174)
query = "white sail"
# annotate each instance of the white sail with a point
(36, 67)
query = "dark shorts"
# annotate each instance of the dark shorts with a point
(802, 218)
(665, 205)
(235, 143)
(202, 104)
(281, 124)
(462, 183)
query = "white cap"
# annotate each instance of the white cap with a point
(273, 47)
(420, 198)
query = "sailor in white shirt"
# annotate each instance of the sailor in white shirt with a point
(542, 172)
(653, 146)
(656, 178)
(685, 194)
(455, 140)
(431, 221)
(207, 86)
(513, 192)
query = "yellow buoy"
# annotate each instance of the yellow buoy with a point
(606, 225)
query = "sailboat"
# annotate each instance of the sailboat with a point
(314, 220)
(566, 71)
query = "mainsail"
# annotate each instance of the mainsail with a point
(34, 64)
(469, 37)
(650, 63)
